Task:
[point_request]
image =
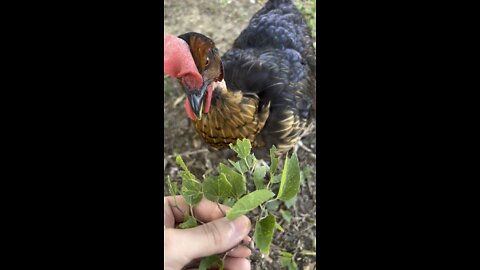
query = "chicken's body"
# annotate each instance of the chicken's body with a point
(232, 116)
(268, 95)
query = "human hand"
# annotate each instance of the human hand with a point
(185, 247)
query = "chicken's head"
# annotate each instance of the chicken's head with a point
(195, 70)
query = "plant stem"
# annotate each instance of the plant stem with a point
(191, 212)
(221, 210)
(261, 213)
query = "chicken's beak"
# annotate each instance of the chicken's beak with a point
(195, 98)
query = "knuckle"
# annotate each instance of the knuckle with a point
(212, 234)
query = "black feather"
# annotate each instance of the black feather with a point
(274, 58)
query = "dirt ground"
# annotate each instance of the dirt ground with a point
(223, 20)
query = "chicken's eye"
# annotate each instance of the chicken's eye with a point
(208, 61)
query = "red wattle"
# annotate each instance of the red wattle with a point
(208, 100)
(189, 110)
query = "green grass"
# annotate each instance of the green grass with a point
(309, 10)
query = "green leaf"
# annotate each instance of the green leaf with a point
(181, 163)
(189, 222)
(250, 161)
(272, 206)
(240, 166)
(191, 187)
(285, 261)
(237, 181)
(274, 160)
(290, 183)
(172, 187)
(286, 254)
(242, 148)
(276, 179)
(216, 187)
(207, 262)
(292, 265)
(192, 197)
(229, 202)
(286, 215)
(285, 258)
(249, 202)
(237, 166)
(259, 176)
(264, 233)
(291, 202)
(189, 180)
(185, 173)
(243, 165)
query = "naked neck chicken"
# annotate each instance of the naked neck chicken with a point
(263, 88)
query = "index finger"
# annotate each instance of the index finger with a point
(205, 211)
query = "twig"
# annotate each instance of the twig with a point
(221, 210)
(178, 100)
(300, 143)
(247, 245)
(230, 251)
(261, 212)
(204, 150)
(191, 212)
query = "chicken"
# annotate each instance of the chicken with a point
(262, 89)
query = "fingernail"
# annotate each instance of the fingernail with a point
(241, 227)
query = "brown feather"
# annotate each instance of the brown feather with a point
(232, 116)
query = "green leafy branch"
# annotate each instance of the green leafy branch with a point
(230, 187)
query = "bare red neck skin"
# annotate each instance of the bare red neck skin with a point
(178, 63)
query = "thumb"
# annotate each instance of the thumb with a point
(211, 238)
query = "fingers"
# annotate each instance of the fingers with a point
(237, 264)
(240, 252)
(211, 238)
(205, 211)
(229, 264)
(168, 216)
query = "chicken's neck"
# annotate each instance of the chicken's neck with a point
(231, 116)
(214, 89)
(220, 86)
